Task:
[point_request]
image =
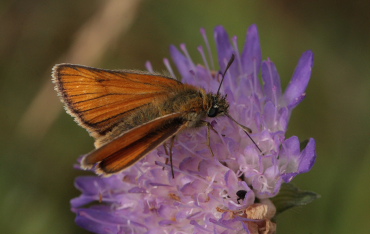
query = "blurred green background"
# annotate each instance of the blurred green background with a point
(39, 142)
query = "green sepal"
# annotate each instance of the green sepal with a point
(290, 197)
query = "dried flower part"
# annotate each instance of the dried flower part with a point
(263, 227)
(263, 210)
(262, 213)
(211, 194)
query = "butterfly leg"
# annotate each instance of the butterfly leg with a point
(171, 146)
(209, 128)
(165, 147)
(168, 151)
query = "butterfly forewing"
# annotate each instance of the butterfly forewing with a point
(100, 99)
(134, 144)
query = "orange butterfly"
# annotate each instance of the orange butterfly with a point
(130, 113)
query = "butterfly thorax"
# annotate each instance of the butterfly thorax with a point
(197, 105)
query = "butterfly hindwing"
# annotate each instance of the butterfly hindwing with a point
(134, 144)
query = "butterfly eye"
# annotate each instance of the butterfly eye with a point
(213, 111)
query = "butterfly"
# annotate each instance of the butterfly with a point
(130, 113)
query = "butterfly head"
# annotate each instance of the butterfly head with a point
(219, 106)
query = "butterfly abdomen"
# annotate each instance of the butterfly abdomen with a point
(136, 118)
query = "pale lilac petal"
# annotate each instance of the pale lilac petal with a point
(225, 50)
(270, 114)
(295, 91)
(182, 63)
(271, 78)
(252, 53)
(293, 161)
(308, 157)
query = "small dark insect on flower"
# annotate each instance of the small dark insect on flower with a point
(241, 195)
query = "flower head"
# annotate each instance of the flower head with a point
(224, 193)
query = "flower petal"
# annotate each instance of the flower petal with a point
(225, 50)
(252, 54)
(184, 66)
(295, 91)
(272, 86)
(308, 157)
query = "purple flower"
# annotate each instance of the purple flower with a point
(211, 194)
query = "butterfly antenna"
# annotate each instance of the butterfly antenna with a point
(253, 141)
(223, 74)
(246, 130)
